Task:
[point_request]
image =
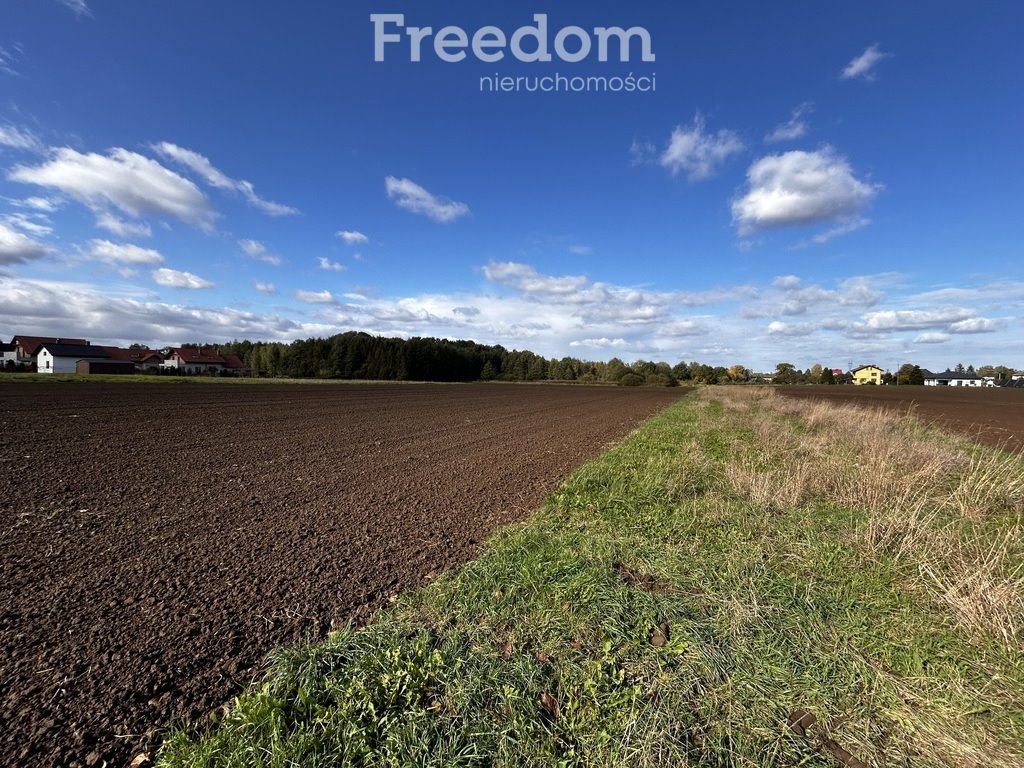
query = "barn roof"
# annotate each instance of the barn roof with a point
(31, 344)
(75, 350)
(196, 356)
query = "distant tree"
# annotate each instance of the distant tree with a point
(738, 374)
(970, 369)
(682, 372)
(888, 378)
(786, 373)
(827, 377)
(815, 373)
(959, 368)
(488, 372)
(630, 380)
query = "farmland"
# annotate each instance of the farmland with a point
(992, 416)
(159, 540)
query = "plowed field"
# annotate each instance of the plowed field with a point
(156, 541)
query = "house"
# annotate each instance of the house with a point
(27, 347)
(63, 358)
(144, 360)
(867, 374)
(8, 355)
(197, 360)
(955, 379)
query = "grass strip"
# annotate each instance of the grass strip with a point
(729, 586)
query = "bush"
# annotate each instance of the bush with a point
(631, 380)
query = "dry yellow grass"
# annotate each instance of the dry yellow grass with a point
(927, 497)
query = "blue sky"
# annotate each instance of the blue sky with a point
(805, 182)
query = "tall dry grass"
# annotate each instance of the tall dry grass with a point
(949, 512)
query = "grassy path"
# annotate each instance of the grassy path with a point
(740, 562)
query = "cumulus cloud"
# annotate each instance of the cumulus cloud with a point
(525, 278)
(411, 196)
(172, 278)
(126, 181)
(697, 153)
(798, 189)
(331, 266)
(581, 250)
(257, 250)
(352, 237)
(315, 297)
(18, 248)
(792, 129)
(19, 138)
(104, 313)
(916, 319)
(202, 167)
(123, 253)
(931, 337)
(863, 66)
(267, 289)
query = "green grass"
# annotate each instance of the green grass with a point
(541, 652)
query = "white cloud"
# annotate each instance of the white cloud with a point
(353, 238)
(79, 7)
(916, 319)
(642, 152)
(525, 278)
(602, 343)
(411, 196)
(122, 253)
(7, 59)
(18, 248)
(44, 204)
(257, 250)
(203, 168)
(126, 181)
(800, 188)
(107, 314)
(18, 138)
(581, 250)
(699, 154)
(118, 226)
(267, 289)
(315, 297)
(172, 278)
(792, 129)
(863, 66)
(32, 224)
(840, 229)
(777, 328)
(331, 266)
(931, 337)
(976, 325)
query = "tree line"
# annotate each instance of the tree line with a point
(357, 355)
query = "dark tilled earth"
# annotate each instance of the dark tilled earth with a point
(992, 416)
(157, 541)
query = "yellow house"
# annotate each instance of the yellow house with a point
(867, 374)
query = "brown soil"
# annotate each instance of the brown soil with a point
(992, 416)
(157, 541)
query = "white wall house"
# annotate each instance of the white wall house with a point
(954, 379)
(63, 358)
